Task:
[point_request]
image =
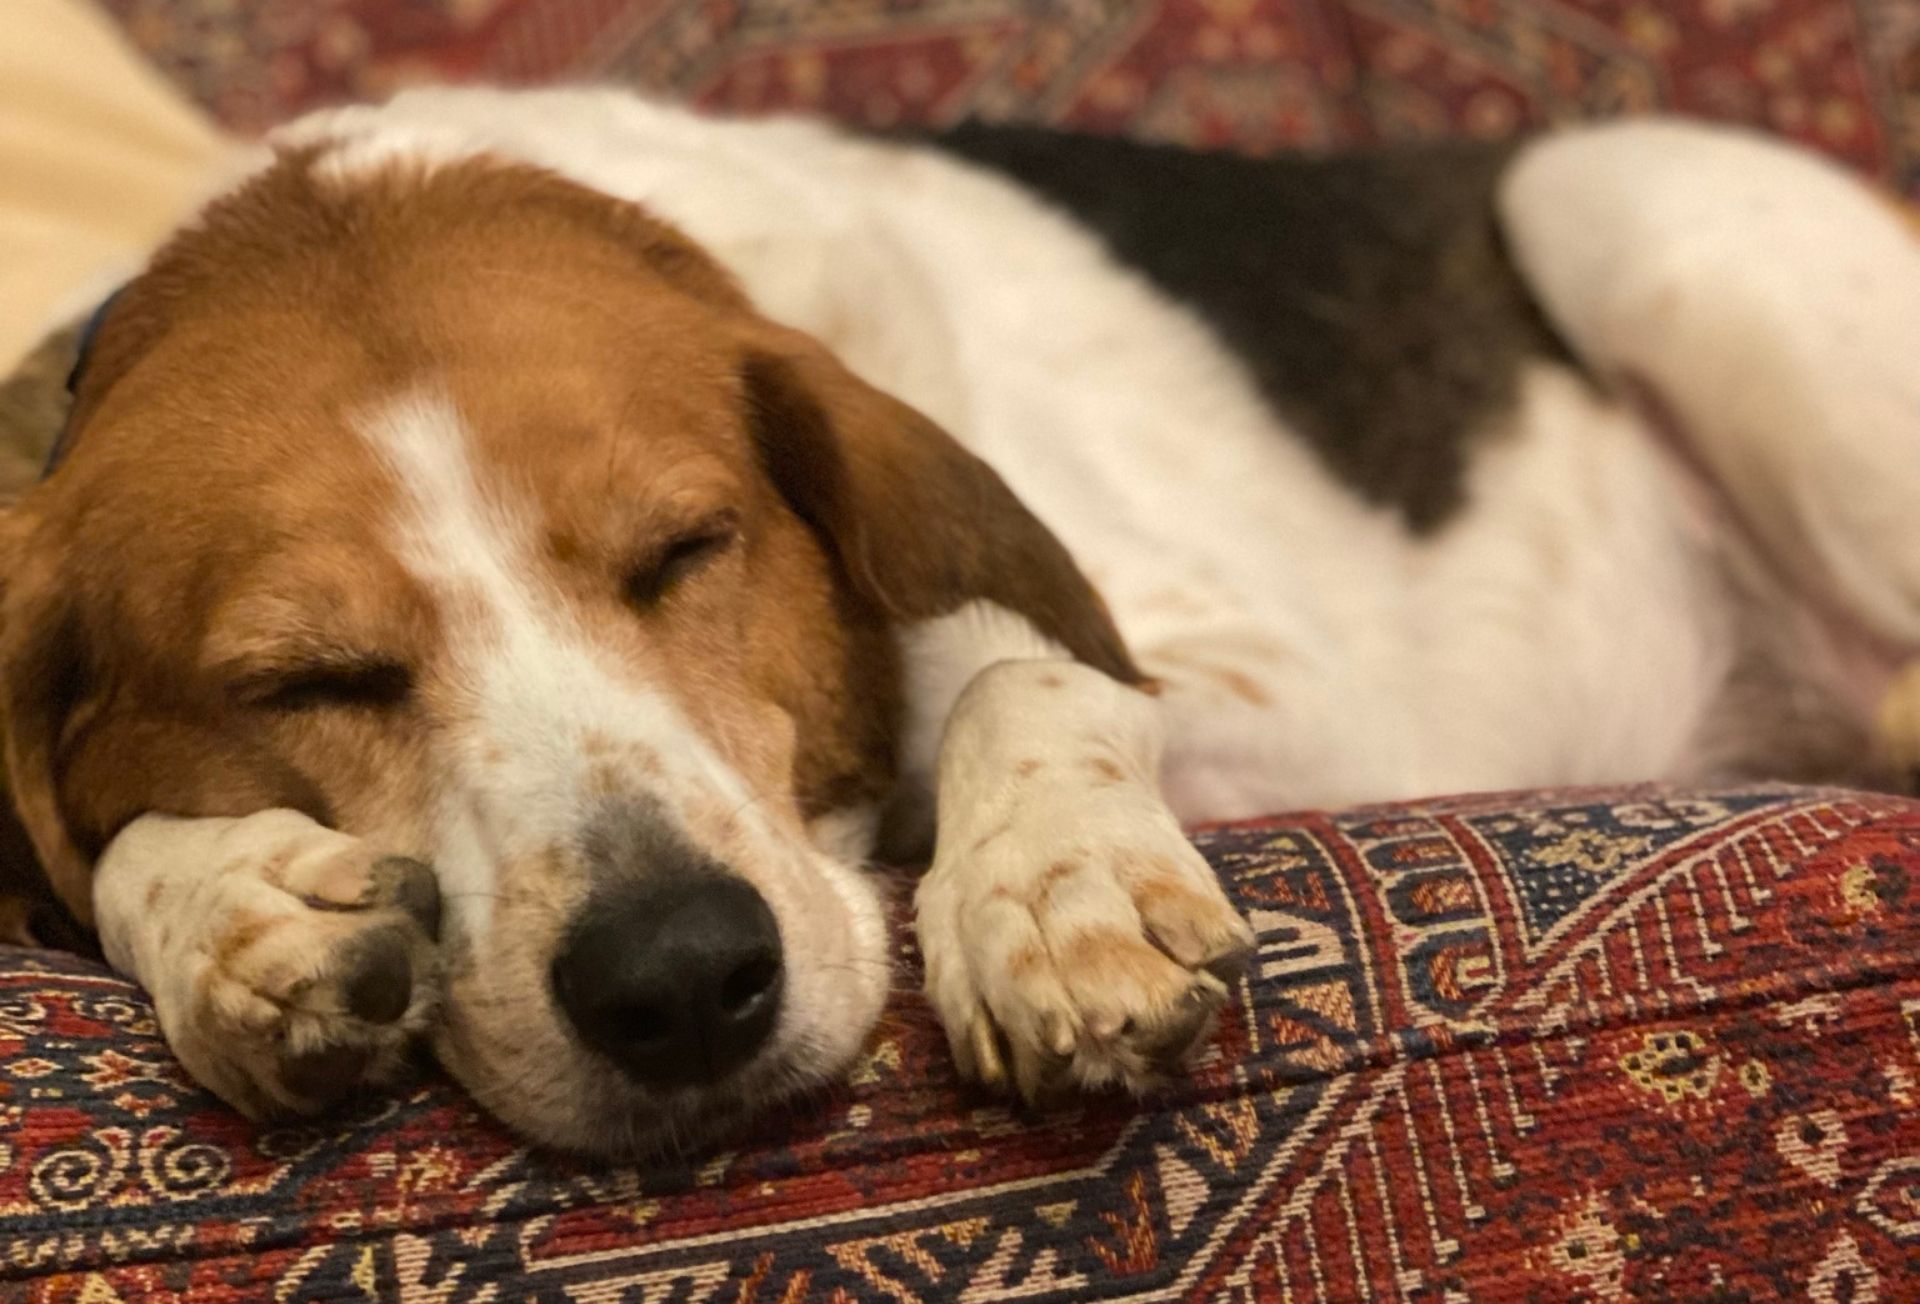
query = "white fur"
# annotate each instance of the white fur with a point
(1775, 307)
(939, 658)
(245, 932)
(1572, 625)
(520, 783)
(1065, 917)
(539, 691)
(1568, 627)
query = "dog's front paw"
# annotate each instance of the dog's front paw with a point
(1077, 952)
(295, 967)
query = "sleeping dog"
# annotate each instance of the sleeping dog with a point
(509, 559)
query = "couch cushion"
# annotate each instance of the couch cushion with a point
(1541, 1046)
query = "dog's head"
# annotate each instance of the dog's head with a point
(479, 515)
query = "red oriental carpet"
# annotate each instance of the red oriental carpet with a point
(1840, 75)
(1629, 1045)
(1586, 1046)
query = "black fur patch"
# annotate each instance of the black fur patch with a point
(1369, 295)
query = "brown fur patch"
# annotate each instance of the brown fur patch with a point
(1204, 667)
(992, 836)
(919, 525)
(16, 923)
(1026, 962)
(242, 932)
(1163, 893)
(1173, 602)
(1052, 878)
(207, 536)
(1243, 687)
(1115, 954)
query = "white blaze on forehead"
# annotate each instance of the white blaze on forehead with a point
(355, 143)
(533, 689)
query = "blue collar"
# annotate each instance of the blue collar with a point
(83, 354)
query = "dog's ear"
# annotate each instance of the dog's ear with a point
(31, 911)
(85, 751)
(44, 679)
(918, 525)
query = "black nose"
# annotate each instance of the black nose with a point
(675, 977)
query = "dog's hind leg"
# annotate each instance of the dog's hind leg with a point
(1771, 304)
(1768, 305)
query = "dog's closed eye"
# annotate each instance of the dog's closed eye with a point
(656, 576)
(364, 685)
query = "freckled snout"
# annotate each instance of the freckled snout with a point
(672, 968)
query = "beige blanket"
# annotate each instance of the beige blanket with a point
(98, 158)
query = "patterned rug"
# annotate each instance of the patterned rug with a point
(1586, 1046)
(1841, 75)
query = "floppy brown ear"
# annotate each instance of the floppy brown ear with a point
(85, 755)
(43, 679)
(919, 525)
